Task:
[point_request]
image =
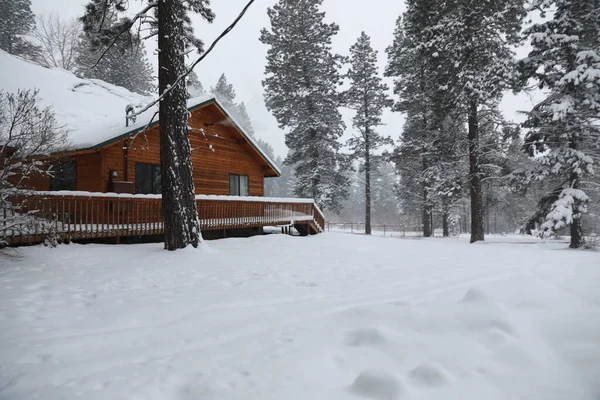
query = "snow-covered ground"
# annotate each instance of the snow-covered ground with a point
(334, 316)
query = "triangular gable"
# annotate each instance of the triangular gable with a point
(200, 103)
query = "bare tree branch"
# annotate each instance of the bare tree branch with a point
(181, 79)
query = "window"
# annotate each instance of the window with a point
(64, 176)
(238, 185)
(147, 178)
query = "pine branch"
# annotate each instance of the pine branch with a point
(181, 79)
(126, 28)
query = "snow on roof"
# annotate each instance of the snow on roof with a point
(92, 110)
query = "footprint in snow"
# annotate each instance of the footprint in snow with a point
(365, 337)
(429, 374)
(378, 385)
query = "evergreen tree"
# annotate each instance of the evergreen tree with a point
(16, 21)
(465, 46)
(194, 86)
(301, 91)
(224, 91)
(171, 24)
(244, 119)
(385, 204)
(565, 61)
(425, 105)
(123, 65)
(367, 97)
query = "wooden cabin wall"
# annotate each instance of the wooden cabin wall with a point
(216, 153)
(88, 167)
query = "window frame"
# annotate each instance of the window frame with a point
(235, 185)
(57, 181)
(153, 169)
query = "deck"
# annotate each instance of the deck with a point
(86, 215)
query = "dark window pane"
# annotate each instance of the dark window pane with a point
(64, 176)
(147, 178)
(244, 185)
(234, 185)
(238, 185)
(156, 180)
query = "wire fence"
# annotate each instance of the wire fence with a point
(384, 230)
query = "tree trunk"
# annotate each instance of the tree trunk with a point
(426, 218)
(577, 238)
(445, 227)
(474, 176)
(181, 224)
(367, 186)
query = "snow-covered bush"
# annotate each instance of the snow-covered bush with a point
(26, 130)
(592, 242)
(563, 212)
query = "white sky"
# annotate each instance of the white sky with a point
(241, 56)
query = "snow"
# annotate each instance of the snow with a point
(257, 199)
(92, 110)
(332, 316)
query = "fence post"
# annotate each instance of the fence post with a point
(383, 230)
(351, 227)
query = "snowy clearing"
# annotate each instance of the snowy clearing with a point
(334, 316)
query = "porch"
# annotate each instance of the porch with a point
(86, 215)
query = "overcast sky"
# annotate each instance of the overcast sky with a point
(241, 56)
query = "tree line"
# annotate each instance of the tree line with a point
(451, 62)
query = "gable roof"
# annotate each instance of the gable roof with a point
(92, 110)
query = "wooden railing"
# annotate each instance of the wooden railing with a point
(82, 215)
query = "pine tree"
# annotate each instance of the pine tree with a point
(425, 107)
(565, 61)
(172, 25)
(244, 119)
(367, 97)
(194, 86)
(16, 21)
(301, 91)
(123, 65)
(225, 92)
(466, 46)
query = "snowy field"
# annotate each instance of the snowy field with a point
(334, 316)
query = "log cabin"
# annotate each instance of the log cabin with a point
(226, 160)
(106, 181)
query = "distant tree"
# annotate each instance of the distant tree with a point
(225, 92)
(302, 79)
(16, 22)
(425, 105)
(57, 41)
(565, 61)
(123, 65)
(26, 129)
(244, 119)
(270, 183)
(282, 186)
(169, 21)
(466, 45)
(194, 86)
(367, 97)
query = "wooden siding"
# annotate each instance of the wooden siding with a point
(88, 167)
(218, 150)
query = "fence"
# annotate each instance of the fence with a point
(377, 229)
(82, 215)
